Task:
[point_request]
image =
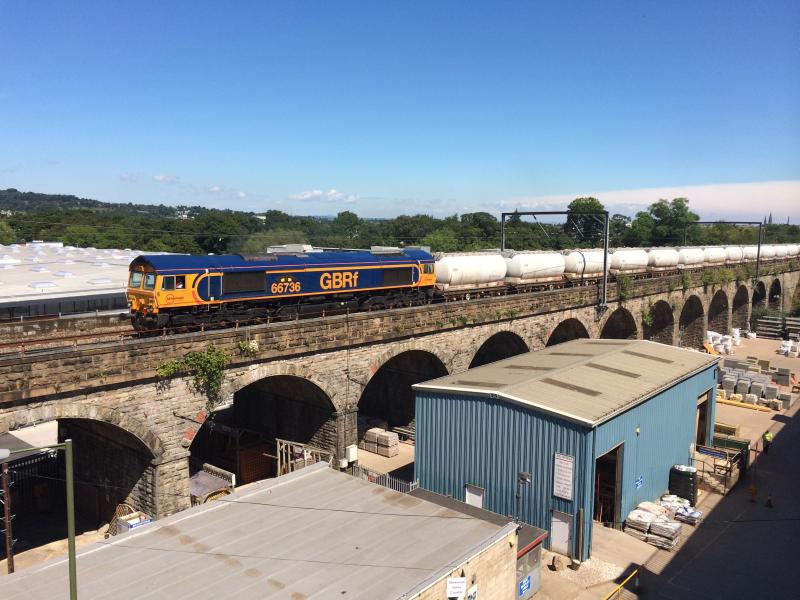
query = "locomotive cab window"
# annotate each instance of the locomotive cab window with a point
(135, 280)
(149, 281)
(427, 268)
(173, 282)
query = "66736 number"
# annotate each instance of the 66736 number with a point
(287, 287)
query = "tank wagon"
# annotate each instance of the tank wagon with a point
(168, 291)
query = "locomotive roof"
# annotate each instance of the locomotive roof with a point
(188, 262)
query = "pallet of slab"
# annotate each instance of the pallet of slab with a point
(743, 405)
(371, 435)
(725, 429)
(388, 451)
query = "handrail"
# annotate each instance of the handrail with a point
(618, 590)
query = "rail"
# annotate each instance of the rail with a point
(617, 591)
(722, 462)
(383, 479)
(293, 456)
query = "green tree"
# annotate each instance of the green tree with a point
(670, 220)
(586, 229)
(443, 240)
(7, 235)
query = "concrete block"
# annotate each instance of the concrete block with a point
(771, 392)
(743, 386)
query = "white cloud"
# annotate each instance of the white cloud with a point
(165, 178)
(215, 188)
(749, 201)
(127, 177)
(241, 194)
(331, 195)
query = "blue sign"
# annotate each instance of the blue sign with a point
(525, 586)
(639, 481)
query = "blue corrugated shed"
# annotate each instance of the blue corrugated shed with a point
(482, 439)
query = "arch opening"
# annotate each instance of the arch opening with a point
(691, 326)
(740, 314)
(718, 313)
(567, 330)
(388, 396)
(242, 438)
(111, 466)
(620, 325)
(504, 344)
(774, 300)
(662, 324)
(759, 299)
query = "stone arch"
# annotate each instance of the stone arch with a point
(620, 325)
(662, 323)
(388, 396)
(759, 299)
(94, 412)
(262, 371)
(568, 329)
(502, 344)
(718, 313)
(740, 315)
(692, 323)
(285, 406)
(774, 298)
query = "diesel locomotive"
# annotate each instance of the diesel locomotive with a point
(171, 290)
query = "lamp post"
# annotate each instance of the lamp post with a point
(522, 478)
(67, 448)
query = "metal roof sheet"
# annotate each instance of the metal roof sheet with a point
(588, 381)
(315, 533)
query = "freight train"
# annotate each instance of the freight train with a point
(169, 291)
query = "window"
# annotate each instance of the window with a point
(136, 279)
(427, 268)
(149, 281)
(473, 495)
(168, 283)
(180, 282)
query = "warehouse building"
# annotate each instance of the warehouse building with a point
(562, 438)
(314, 533)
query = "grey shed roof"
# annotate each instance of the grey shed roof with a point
(316, 533)
(587, 381)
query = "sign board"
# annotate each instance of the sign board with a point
(639, 481)
(472, 593)
(524, 586)
(456, 587)
(564, 466)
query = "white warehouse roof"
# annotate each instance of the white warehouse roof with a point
(587, 381)
(38, 271)
(315, 533)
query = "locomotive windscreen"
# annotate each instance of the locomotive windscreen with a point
(243, 282)
(397, 276)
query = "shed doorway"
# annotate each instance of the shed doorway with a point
(608, 488)
(701, 438)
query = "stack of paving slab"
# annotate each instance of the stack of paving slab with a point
(388, 444)
(370, 441)
(652, 523)
(740, 382)
(789, 348)
(723, 344)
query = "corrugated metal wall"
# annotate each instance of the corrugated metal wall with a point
(667, 429)
(464, 439)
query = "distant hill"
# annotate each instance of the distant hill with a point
(28, 202)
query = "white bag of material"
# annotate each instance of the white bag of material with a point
(640, 519)
(652, 508)
(633, 532)
(665, 528)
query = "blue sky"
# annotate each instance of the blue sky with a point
(388, 108)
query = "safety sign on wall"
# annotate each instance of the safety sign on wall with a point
(564, 466)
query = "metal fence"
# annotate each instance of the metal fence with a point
(384, 479)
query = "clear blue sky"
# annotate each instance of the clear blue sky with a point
(386, 108)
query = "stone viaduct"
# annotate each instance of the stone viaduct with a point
(136, 435)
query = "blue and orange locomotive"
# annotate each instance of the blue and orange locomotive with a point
(169, 290)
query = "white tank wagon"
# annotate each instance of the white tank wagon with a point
(767, 251)
(734, 254)
(781, 250)
(662, 258)
(691, 257)
(750, 252)
(714, 255)
(793, 249)
(465, 270)
(534, 267)
(583, 263)
(627, 260)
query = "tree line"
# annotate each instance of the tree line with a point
(80, 222)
